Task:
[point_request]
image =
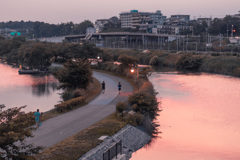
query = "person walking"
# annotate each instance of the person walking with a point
(37, 118)
(40, 119)
(119, 87)
(103, 87)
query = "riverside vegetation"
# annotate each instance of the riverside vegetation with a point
(220, 63)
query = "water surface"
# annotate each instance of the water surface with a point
(200, 118)
(34, 91)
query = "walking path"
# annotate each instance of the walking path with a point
(61, 127)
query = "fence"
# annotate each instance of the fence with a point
(113, 151)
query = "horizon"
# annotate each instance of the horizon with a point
(75, 11)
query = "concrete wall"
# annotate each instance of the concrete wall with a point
(132, 140)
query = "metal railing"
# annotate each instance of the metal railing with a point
(113, 151)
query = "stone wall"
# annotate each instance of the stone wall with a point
(132, 140)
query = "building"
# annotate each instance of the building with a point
(134, 19)
(178, 20)
(207, 20)
(99, 24)
(170, 29)
(181, 17)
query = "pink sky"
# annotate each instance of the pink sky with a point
(57, 11)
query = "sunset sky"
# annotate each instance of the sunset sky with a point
(61, 11)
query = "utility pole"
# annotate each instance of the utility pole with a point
(227, 30)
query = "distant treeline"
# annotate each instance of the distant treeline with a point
(41, 29)
(39, 55)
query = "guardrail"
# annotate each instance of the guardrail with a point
(113, 151)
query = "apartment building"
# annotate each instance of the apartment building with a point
(207, 20)
(134, 19)
(170, 29)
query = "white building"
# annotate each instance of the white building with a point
(134, 19)
(99, 24)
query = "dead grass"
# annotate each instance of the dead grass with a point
(77, 145)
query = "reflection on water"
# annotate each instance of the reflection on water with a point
(200, 118)
(35, 91)
(44, 89)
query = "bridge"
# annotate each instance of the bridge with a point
(125, 39)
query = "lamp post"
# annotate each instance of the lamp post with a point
(132, 71)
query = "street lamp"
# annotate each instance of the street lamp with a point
(132, 71)
(72, 29)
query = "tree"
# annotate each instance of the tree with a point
(127, 61)
(81, 28)
(76, 74)
(14, 129)
(38, 56)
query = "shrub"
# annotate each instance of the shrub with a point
(70, 104)
(144, 103)
(189, 62)
(237, 72)
(121, 107)
(77, 93)
(155, 62)
(67, 95)
(134, 119)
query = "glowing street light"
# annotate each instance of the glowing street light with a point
(132, 70)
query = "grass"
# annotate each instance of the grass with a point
(77, 145)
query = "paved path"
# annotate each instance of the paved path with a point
(61, 127)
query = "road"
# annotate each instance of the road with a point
(61, 127)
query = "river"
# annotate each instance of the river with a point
(35, 91)
(200, 118)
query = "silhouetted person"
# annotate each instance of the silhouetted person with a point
(119, 87)
(103, 86)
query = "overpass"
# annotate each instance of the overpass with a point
(125, 39)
